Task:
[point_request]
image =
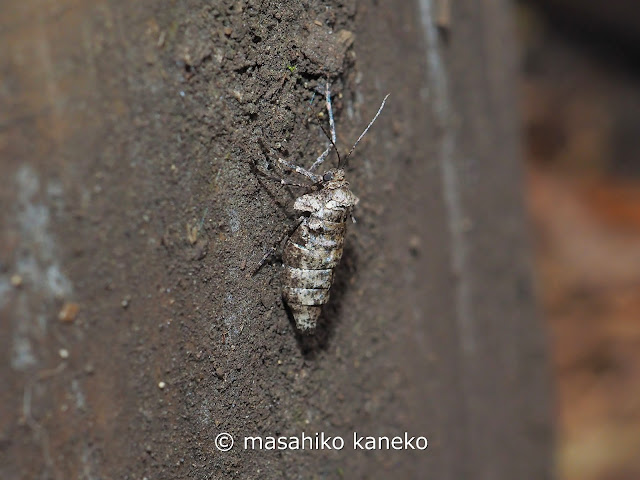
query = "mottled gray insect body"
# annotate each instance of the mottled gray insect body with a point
(315, 248)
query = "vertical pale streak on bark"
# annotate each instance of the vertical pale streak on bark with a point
(442, 111)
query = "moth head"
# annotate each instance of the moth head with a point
(333, 178)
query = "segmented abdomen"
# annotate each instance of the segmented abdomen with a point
(309, 259)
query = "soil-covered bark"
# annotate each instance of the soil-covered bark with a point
(134, 137)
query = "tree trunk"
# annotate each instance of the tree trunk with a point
(134, 140)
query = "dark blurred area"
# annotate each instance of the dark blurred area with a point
(580, 100)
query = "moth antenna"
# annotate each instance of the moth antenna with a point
(332, 125)
(333, 143)
(366, 130)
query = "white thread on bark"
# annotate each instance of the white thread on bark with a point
(443, 114)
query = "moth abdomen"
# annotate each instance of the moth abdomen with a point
(310, 257)
(307, 296)
(303, 278)
(313, 258)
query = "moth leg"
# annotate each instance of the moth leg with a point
(311, 176)
(283, 181)
(332, 126)
(287, 234)
(273, 177)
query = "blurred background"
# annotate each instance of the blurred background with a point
(580, 101)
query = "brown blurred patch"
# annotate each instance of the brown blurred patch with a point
(589, 276)
(581, 125)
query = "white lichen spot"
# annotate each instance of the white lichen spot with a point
(57, 283)
(234, 220)
(22, 356)
(205, 412)
(78, 394)
(42, 281)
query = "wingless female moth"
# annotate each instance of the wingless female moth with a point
(315, 247)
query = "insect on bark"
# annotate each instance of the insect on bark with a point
(315, 247)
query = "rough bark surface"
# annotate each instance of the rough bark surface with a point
(129, 134)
